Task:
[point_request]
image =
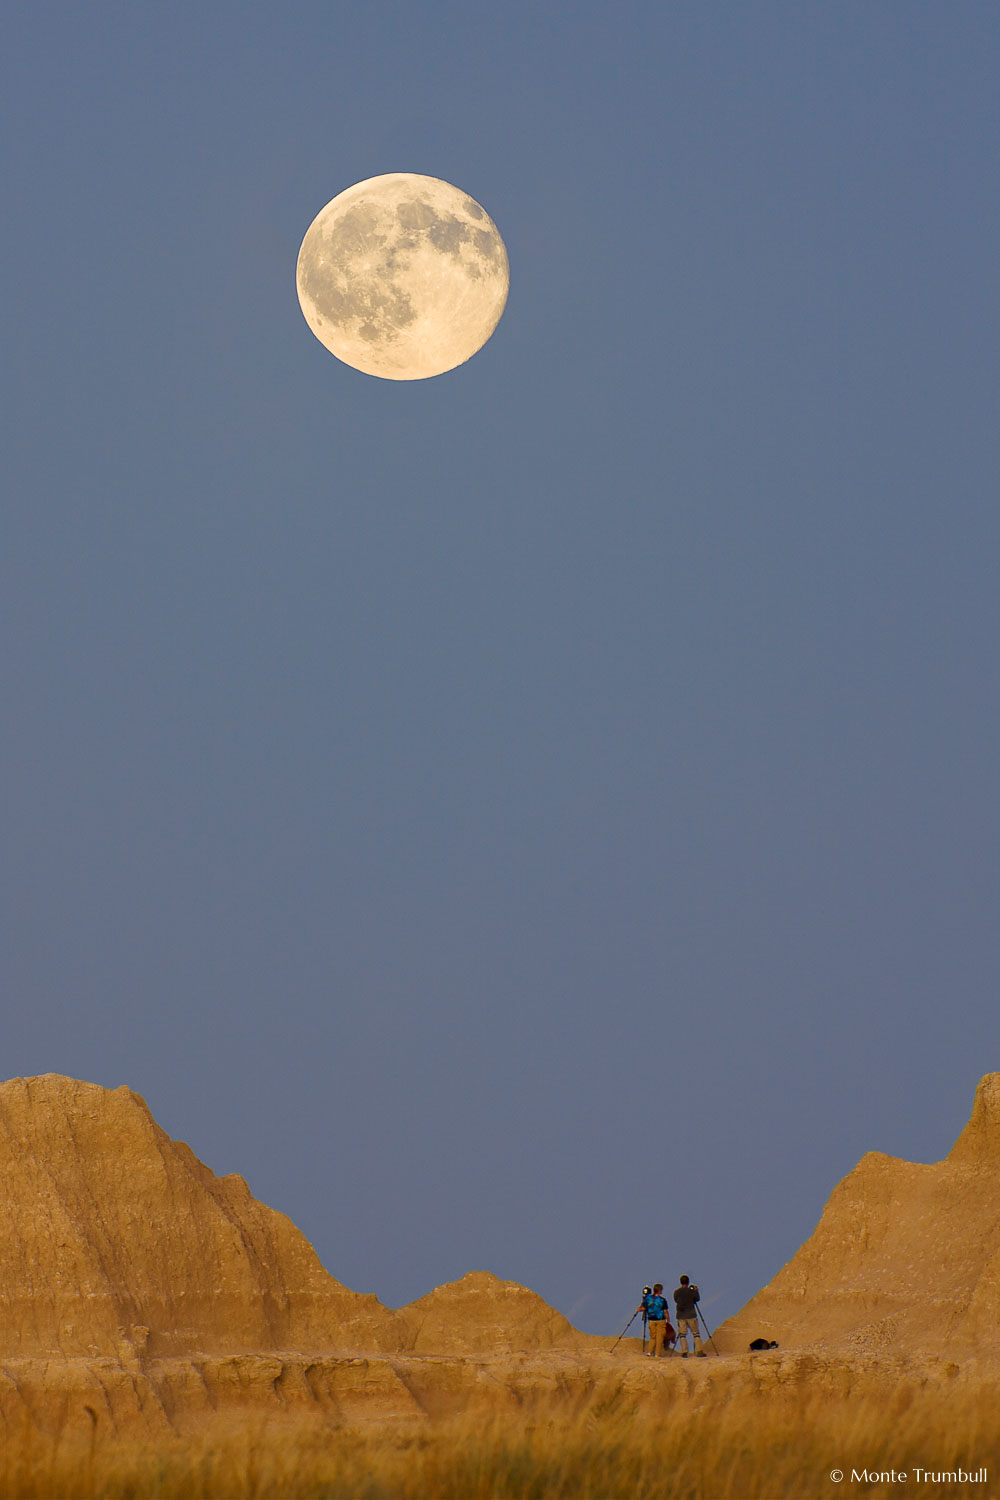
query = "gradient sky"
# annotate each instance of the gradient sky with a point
(544, 818)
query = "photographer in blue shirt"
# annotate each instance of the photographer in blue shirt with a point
(654, 1312)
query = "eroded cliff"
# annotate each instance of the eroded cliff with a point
(905, 1258)
(117, 1241)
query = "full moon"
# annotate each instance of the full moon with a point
(402, 276)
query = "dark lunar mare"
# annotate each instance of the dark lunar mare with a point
(380, 305)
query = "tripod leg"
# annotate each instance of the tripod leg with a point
(709, 1332)
(624, 1331)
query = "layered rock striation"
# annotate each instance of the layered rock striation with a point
(905, 1258)
(481, 1313)
(139, 1292)
(117, 1241)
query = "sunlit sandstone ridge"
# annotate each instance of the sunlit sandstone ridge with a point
(905, 1259)
(117, 1241)
(140, 1292)
(114, 1238)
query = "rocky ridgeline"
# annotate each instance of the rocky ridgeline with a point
(904, 1260)
(116, 1241)
(141, 1292)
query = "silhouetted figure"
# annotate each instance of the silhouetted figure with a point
(686, 1298)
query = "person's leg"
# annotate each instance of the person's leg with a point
(682, 1332)
(696, 1336)
(656, 1329)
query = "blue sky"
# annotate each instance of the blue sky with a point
(542, 818)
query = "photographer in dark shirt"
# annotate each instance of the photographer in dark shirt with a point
(686, 1298)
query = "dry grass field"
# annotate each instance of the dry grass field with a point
(748, 1449)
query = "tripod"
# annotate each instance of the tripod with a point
(625, 1330)
(708, 1331)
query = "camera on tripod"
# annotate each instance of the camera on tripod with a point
(646, 1291)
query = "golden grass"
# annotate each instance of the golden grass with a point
(751, 1449)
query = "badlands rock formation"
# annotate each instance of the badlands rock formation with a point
(141, 1295)
(116, 1241)
(481, 1313)
(905, 1259)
